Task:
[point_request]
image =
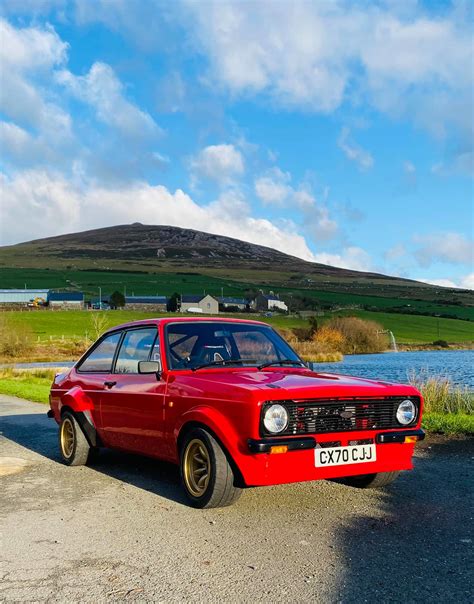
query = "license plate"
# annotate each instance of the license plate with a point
(339, 456)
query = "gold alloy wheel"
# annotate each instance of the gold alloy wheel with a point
(196, 467)
(67, 437)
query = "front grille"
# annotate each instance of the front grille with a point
(342, 415)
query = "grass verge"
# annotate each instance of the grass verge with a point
(448, 423)
(30, 385)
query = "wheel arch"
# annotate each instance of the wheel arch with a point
(85, 424)
(189, 426)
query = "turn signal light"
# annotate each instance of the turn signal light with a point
(411, 439)
(279, 449)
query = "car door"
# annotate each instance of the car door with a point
(132, 405)
(92, 372)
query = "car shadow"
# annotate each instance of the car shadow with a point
(416, 545)
(39, 434)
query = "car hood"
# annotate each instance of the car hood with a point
(282, 384)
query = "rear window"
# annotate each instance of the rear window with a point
(100, 359)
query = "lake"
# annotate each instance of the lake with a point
(458, 365)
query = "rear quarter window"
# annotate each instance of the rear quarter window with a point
(100, 359)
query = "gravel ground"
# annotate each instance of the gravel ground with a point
(120, 530)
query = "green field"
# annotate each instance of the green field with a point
(406, 328)
(417, 329)
(136, 283)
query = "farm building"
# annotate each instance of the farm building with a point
(270, 302)
(151, 303)
(23, 297)
(228, 303)
(206, 304)
(66, 300)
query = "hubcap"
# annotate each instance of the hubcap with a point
(67, 437)
(196, 467)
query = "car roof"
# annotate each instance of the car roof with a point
(165, 320)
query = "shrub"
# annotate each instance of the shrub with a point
(441, 343)
(329, 339)
(360, 336)
(441, 395)
(99, 324)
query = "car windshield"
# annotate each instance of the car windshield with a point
(200, 344)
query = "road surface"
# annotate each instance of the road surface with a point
(120, 530)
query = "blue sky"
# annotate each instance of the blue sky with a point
(340, 132)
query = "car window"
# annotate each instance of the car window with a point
(192, 344)
(101, 357)
(136, 346)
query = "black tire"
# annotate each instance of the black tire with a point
(73, 445)
(218, 490)
(371, 481)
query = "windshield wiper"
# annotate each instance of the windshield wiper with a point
(281, 362)
(224, 362)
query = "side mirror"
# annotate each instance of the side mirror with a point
(149, 367)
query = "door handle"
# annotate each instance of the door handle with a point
(109, 384)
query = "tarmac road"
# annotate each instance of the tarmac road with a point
(120, 530)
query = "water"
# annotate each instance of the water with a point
(458, 365)
(40, 365)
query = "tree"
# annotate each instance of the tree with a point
(117, 300)
(172, 304)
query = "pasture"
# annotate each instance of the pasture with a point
(408, 329)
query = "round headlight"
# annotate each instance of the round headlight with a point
(275, 419)
(406, 412)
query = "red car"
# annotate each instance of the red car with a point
(232, 404)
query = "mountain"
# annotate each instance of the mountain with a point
(155, 249)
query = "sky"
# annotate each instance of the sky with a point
(339, 132)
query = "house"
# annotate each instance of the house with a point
(206, 304)
(228, 303)
(149, 303)
(64, 300)
(269, 302)
(23, 297)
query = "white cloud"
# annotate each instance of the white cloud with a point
(466, 282)
(219, 163)
(459, 163)
(28, 57)
(101, 89)
(353, 151)
(30, 48)
(354, 258)
(396, 252)
(439, 282)
(39, 204)
(444, 247)
(314, 56)
(273, 187)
